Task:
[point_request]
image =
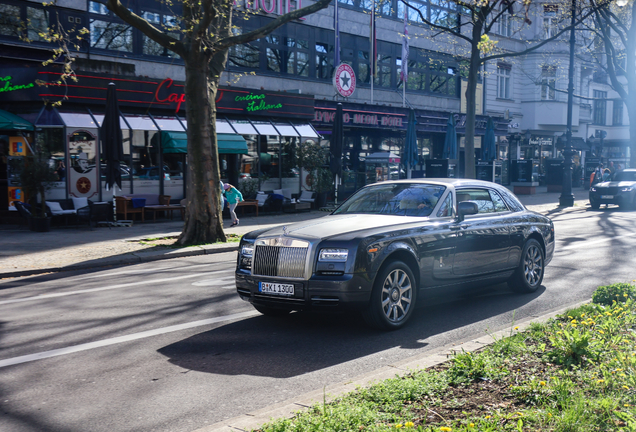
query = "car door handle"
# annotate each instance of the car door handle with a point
(454, 227)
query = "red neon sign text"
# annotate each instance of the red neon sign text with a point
(172, 97)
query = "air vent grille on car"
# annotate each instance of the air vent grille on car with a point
(279, 261)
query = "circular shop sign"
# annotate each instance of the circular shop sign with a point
(344, 80)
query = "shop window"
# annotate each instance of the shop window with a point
(600, 106)
(37, 24)
(548, 83)
(363, 76)
(10, 22)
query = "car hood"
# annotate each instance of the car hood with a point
(615, 184)
(334, 225)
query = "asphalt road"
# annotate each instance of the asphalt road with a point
(168, 345)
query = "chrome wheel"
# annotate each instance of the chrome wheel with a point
(533, 265)
(397, 293)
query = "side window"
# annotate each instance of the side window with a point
(479, 196)
(498, 202)
(447, 207)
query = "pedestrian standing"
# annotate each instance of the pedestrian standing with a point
(234, 196)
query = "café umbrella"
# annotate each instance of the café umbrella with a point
(112, 140)
(410, 144)
(489, 150)
(450, 142)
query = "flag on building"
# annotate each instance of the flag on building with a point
(373, 44)
(404, 73)
(336, 27)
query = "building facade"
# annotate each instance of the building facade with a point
(278, 92)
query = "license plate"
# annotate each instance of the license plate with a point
(276, 288)
(607, 196)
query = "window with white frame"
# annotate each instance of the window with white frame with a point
(504, 24)
(550, 20)
(548, 83)
(600, 107)
(503, 81)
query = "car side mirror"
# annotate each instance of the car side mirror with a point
(466, 208)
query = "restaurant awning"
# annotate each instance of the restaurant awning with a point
(231, 144)
(177, 142)
(10, 122)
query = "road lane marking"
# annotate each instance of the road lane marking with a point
(588, 243)
(140, 271)
(122, 339)
(106, 288)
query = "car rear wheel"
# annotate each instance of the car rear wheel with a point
(271, 312)
(595, 204)
(529, 275)
(393, 297)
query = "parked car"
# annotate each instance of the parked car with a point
(152, 173)
(620, 190)
(388, 243)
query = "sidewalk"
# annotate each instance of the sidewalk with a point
(23, 252)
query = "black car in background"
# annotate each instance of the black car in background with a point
(619, 190)
(388, 243)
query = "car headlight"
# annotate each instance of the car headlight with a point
(627, 189)
(247, 249)
(593, 189)
(336, 255)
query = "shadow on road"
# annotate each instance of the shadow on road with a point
(305, 342)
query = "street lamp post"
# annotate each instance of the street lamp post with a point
(567, 198)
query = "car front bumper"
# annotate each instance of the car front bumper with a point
(620, 199)
(348, 291)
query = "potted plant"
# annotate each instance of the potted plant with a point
(36, 178)
(322, 184)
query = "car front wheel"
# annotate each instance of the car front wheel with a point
(393, 297)
(595, 204)
(529, 275)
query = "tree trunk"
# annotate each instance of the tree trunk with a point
(471, 105)
(203, 218)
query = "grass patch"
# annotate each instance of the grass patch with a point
(170, 241)
(574, 373)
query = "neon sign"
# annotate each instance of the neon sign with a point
(172, 97)
(10, 88)
(252, 99)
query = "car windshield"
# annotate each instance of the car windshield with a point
(402, 199)
(625, 176)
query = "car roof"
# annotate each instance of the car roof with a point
(453, 182)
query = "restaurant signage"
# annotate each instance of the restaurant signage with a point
(352, 117)
(344, 80)
(8, 84)
(168, 94)
(276, 7)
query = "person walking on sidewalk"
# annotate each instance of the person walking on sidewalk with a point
(234, 196)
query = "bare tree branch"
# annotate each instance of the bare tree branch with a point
(435, 26)
(227, 42)
(162, 38)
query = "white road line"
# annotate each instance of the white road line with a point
(588, 243)
(121, 339)
(111, 287)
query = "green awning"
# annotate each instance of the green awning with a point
(231, 144)
(10, 122)
(177, 142)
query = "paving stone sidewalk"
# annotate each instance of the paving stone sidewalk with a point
(23, 252)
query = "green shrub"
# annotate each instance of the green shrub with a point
(618, 292)
(248, 187)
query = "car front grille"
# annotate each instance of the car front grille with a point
(608, 190)
(279, 261)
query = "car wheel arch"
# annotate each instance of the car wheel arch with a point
(404, 254)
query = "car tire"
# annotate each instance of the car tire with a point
(595, 204)
(271, 312)
(529, 274)
(393, 297)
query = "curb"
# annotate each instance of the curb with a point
(289, 408)
(141, 256)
